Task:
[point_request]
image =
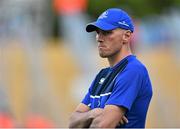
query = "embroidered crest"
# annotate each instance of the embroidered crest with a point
(101, 81)
(103, 15)
(123, 23)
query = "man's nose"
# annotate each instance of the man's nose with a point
(99, 37)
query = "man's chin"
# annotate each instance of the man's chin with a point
(103, 56)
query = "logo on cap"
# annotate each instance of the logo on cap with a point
(123, 23)
(103, 15)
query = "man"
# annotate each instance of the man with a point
(122, 91)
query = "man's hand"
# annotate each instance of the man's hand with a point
(95, 112)
(124, 120)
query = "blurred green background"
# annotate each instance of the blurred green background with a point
(139, 8)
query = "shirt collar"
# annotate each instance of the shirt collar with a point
(120, 62)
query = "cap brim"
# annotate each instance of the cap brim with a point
(99, 24)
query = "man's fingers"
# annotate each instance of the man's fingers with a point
(125, 119)
(121, 122)
(96, 112)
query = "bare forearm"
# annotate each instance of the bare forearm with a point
(110, 117)
(100, 122)
(80, 120)
(84, 119)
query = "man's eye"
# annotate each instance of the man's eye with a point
(97, 31)
(107, 32)
(103, 32)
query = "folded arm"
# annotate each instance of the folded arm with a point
(83, 116)
(109, 117)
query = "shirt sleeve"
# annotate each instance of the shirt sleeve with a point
(86, 99)
(126, 88)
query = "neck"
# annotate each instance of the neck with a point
(113, 60)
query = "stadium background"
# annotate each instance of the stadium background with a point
(41, 79)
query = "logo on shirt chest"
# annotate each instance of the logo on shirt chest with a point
(101, 81)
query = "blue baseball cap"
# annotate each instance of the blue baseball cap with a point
(111, 19)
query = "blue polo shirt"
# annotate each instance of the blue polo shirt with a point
(130, 88)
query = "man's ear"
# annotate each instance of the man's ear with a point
(127, 36)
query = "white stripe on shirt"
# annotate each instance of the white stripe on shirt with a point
(98, 96)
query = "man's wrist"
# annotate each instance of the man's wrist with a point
(94, 113)
(90, 114)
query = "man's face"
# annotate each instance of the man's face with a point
(109, 42)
